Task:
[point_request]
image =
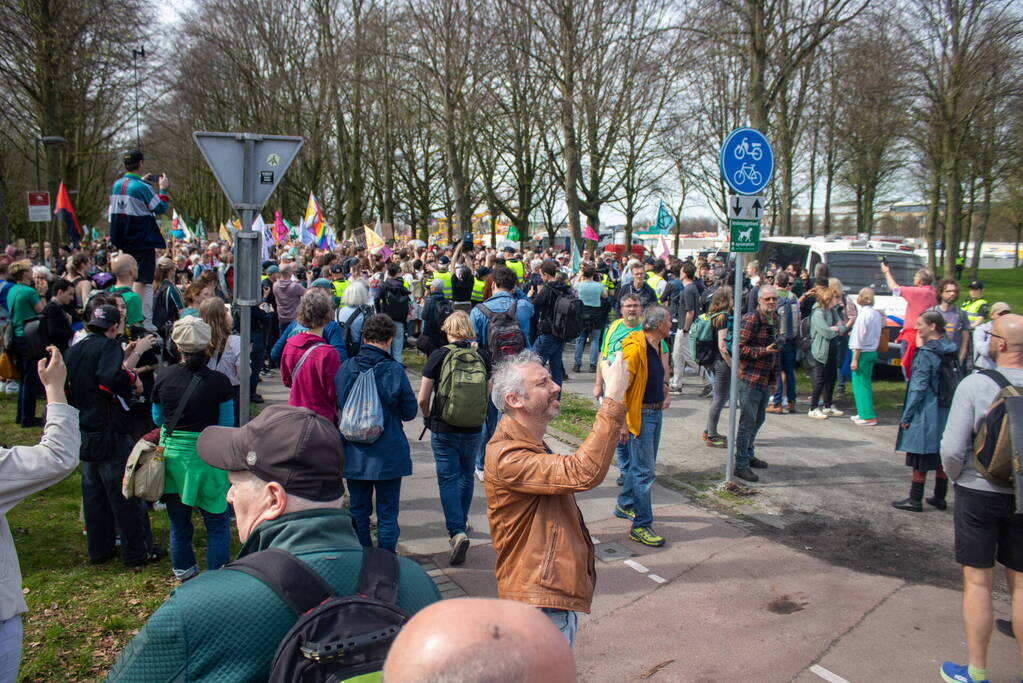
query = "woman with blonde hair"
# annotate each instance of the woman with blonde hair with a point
(225, 349)
(825, 326)
(455, 446)
(863, 342)
(847, 316)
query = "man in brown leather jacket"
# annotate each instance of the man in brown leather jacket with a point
(544, 552)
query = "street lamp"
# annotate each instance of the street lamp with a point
(135, 56)
(49, 141)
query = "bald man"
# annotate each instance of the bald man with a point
(986, 526)
(125, 270)
(475, 639)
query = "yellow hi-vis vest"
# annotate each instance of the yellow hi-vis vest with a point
(444, 277)
(477, 290)
(973, 312)
(517, 268)
(653, 279)
(339, 287)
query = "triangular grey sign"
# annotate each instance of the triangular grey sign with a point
(247, 187)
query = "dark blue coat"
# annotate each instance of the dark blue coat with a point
(921, 410)
(388, 457)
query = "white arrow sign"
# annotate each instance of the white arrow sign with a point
(745, 207)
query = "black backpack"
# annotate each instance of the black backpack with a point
(352, 346)
(165, 310)
(36, 338)
(950, 374)
(567, 321)
(395, 301)
(336, 638)
(504, 334)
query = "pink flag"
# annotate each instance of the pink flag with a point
(280, 229)
(590, 234)
(665, 252)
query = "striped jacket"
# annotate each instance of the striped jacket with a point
(133, 206)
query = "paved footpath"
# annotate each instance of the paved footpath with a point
(717, 602)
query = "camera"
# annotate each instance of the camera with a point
(151, 177)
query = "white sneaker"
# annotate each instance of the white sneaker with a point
(817, 414)
(459, 546)
(479, 474)
(865, 423)
(833, 412)
(10, 387)
(854, 417)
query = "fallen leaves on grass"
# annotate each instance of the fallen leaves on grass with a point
(739, 489)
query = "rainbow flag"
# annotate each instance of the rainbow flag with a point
(314, 223)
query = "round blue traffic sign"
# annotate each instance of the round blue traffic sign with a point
(747, 161)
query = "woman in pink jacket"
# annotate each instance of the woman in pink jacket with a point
(309, 363)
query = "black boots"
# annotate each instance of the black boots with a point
(913, 503)
(940, 491)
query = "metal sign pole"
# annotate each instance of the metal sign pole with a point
(262, 157)
(733, 389)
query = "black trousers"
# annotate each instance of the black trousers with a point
(106, 510)
(824, 375)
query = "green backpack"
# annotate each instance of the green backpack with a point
(462, 388)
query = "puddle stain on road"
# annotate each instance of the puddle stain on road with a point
(786, 605)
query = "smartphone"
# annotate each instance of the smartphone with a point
(883, 260)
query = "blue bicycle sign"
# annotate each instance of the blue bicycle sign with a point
(747, 161)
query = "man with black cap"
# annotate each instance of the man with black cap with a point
(285, 473)
(100, 388)
(133, 229)
(513, 264)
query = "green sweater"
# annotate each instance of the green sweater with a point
(225, 625)
(821, 334)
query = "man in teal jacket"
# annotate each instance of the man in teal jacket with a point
(286, 490)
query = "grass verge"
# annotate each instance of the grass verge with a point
(576, 417)
(80, 616)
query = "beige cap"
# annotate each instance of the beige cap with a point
(1000, 307)
(191, 334)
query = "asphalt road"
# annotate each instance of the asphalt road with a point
(827, 490)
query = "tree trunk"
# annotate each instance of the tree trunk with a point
(829, 181)
(932, 219)
(953, 211)
(813, 178)
(455, 175)
(968, 219)
(985, 217)
(570, 146)
(756, 53)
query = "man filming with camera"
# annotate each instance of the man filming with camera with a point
(133, 207)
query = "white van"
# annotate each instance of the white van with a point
(857, 263)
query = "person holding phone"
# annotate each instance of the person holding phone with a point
(25, 470)
(758, 371)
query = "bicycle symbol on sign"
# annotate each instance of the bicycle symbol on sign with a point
(748, 173)
(752, 149)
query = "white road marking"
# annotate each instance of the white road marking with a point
(827, 675)
(658, 579)
(637, 566)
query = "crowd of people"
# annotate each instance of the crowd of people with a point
(148, 333)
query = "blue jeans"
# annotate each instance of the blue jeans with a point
(10, 648)
(565, 620)
(788, 374)
(388, 492)
(596, 337)
(218, 538)
(493, 415)
(622, 458)
(639, 478)
(751, 416)
(551, 350)
(398, 343)
(455, 455)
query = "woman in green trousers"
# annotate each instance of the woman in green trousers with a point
(863, 342)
